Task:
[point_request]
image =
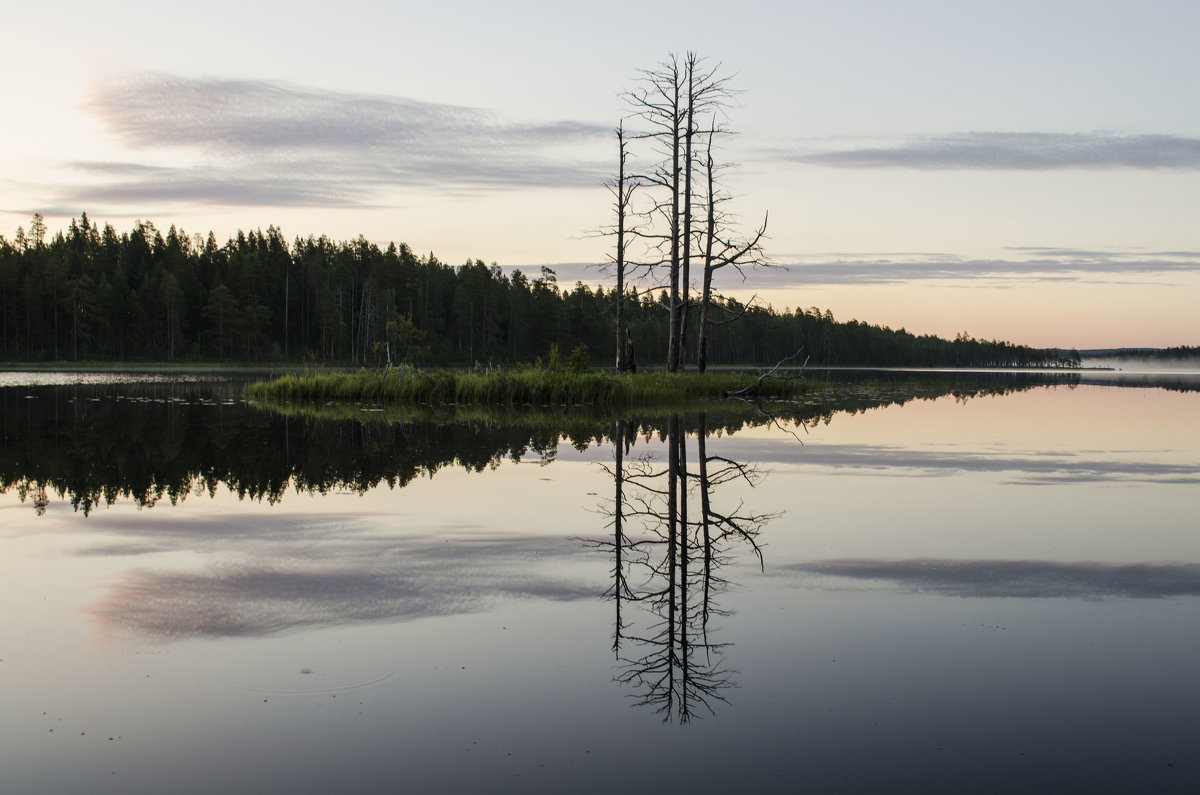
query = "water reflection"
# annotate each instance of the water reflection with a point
(672, 535)
(1023, 579)
(1035, 468)
(465, 615)
(162, 442)
(319, 573)
(156, 443)
(673, 528)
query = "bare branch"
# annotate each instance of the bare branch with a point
(752, 388)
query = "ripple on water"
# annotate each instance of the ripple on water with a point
(310, 672)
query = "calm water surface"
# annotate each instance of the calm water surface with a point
(942, 583)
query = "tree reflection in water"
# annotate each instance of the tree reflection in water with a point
(93, 445)
(667, 560)
(675, 524)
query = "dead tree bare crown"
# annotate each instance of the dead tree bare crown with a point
(671, 211)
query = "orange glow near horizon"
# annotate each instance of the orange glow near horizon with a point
(1066, 315)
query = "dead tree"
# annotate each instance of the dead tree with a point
(622, 189)
(669, 100)
(720, 249)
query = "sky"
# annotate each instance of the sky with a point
(1017, 170)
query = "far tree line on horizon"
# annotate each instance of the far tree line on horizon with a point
(93, 294)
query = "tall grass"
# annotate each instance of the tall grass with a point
(526, 386)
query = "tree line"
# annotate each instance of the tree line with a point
(90, 293)
(1157, 354)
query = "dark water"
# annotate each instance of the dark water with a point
(910, 582)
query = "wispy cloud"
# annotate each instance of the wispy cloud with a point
(254, 142)
(1029, 264)
(216, 184)
(1027, 579)
(1026, 151)
(1026, 264)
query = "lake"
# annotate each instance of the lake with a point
(934, 582)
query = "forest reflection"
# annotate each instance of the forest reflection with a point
(94, 444)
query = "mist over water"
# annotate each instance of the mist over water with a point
(1145, 365)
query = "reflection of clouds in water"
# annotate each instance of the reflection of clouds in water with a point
(245, 530)
(318, 577)
(1032, 467)
(119, 550)
(1028, 579)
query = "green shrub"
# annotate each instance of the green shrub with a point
(579, 360)
(553, 361)
(515, 387)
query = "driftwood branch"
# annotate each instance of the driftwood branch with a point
(752, 388)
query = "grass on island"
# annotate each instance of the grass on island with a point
(516, 387)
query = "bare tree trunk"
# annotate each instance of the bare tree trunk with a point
(710, 230)
(685, 269)
(75, 326)
(622, 208)
(673, 352)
